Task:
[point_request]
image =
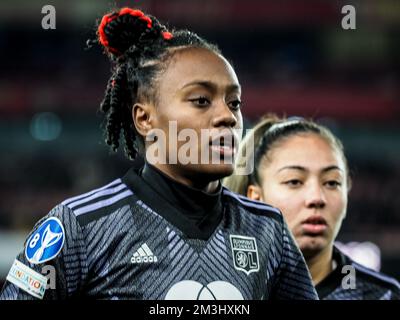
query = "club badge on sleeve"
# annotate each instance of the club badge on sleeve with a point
(46, 242)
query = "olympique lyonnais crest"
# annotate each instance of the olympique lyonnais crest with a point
(245, 254)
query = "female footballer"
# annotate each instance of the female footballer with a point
(167, 229)
(300, 167)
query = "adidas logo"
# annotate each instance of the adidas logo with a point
(143, 255)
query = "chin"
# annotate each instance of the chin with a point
(221, 170)
(215, 171)
(311, 246)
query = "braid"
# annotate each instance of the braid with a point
(117, 107)
(131, 39)
(105, 104)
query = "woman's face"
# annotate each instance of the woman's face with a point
(307, 180)
(198, 90)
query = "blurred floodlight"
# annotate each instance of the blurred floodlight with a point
(45, 126)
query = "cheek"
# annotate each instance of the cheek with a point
(289, 203)
(338, 204)
(173, 121)
(239, 124)
(170, 108)
(169, 113)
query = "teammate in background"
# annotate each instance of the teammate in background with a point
(165, 230)
(300, 167)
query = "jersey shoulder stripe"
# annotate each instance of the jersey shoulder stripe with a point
(69, 200)
(98, 202)
(98, 194)
(371, 274)
(103, 203)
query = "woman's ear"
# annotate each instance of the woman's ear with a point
(254, 192)
(142, 118)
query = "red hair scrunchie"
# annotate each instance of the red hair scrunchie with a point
(167, 35)
(111, 16)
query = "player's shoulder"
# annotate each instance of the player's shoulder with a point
(253, 207)
(376, 278)
(367, 275)
(98, 202)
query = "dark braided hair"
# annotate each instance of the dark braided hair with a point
(138, 47)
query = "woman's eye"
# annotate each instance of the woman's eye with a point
(332, 184)
(200, 101)
(236, 104)
(293, 183)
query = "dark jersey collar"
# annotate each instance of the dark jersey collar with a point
(334, 279)
(195, 212)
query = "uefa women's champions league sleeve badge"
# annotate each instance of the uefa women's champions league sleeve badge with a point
(46, 242)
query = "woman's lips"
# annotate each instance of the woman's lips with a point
(314, 225)
(224, 145)
(223, 150)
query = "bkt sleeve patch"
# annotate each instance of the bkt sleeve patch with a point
(46, 242)
(27, 279)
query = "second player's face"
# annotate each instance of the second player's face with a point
(307, 180)
(198, 90)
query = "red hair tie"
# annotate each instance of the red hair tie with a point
(111, 16)
(137, 13)
(167, 35)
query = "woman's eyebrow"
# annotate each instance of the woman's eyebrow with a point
(299, 168)
(211, 85)
(330, 168)
(303, 169)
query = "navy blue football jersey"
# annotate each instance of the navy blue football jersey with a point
(123, 241)
(352, 281)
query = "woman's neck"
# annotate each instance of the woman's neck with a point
(320, 265)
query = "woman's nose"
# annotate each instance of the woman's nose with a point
(315, 197)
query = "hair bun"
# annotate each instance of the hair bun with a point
(119, 30)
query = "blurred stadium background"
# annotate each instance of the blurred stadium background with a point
(292, 57)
